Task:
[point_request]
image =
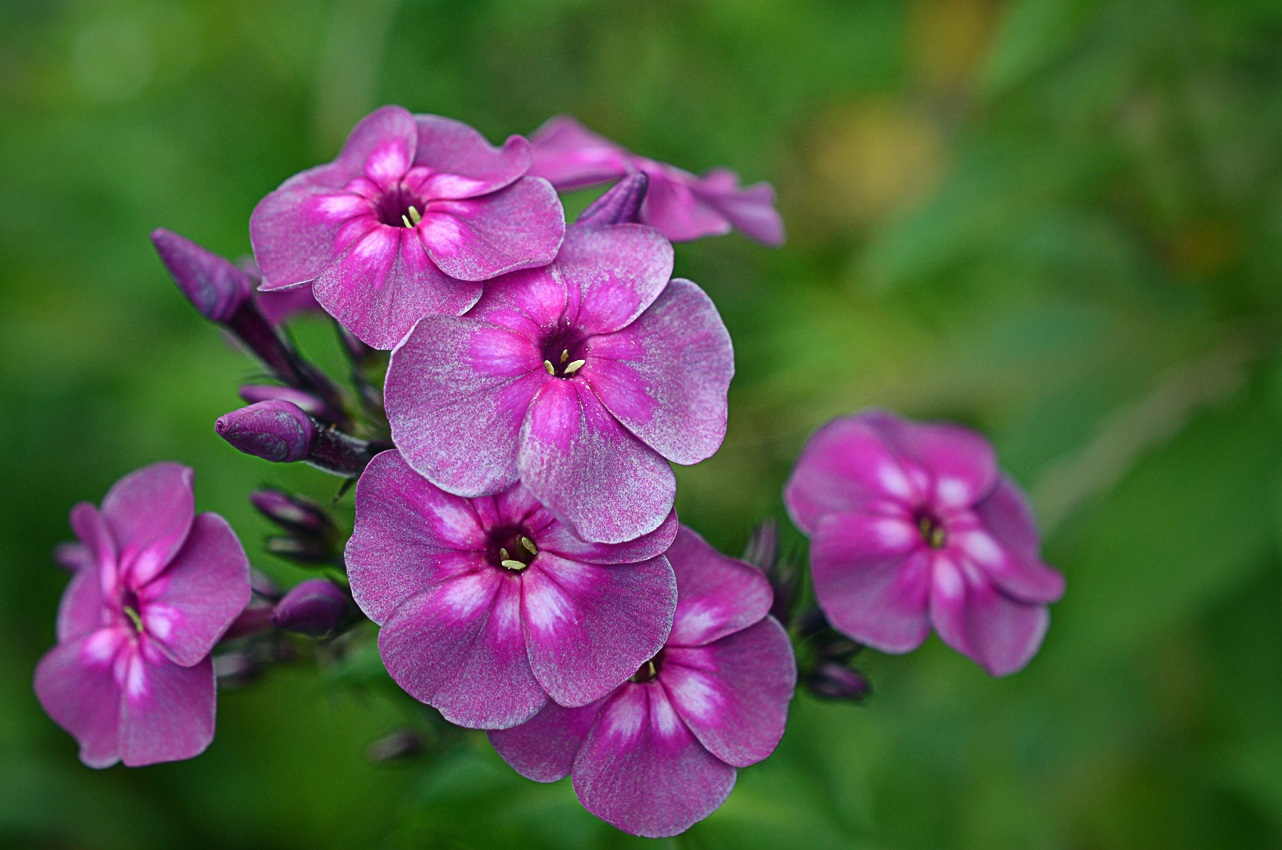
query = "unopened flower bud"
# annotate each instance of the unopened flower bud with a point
(254, 393)
(255, 619)
(296, 513)
(272, 430)
(315, 607)
(835, 681)
(621, 204)
(398, 745)
(214, 285)
(303, 550)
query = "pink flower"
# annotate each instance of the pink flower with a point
(659, 752)
(678, 204)
(581, 379)
(131, 677)
(913, 526)
(414, 213)
(490, 606)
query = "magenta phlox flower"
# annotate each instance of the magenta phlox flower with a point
(414, 213)
(679, 204)
(912, 525)
(659, 752)
(131, 677)
(490, 606)
(581, 379)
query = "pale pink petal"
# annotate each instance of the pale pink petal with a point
(149, 512)
(543, 748)
(872, 579)
(459, 647)
(559, 539)
(517, 227)
(187, 607)
(76, 685)
(167, 712)
(379, 143)
(589, 627)
(571, 156)
(463, 162)
(642, 770)
(734, 692)
(960, 463)
(1000, 633)
(589, 471)
(530, 302)
(665, 376)
(1017, 568)
(717, 595)
(457, 391)
(612, 274)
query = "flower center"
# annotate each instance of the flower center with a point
(129, 606)
(931, 530)
(562, 354)
(400, 208)
(511, 549)
(648, 671)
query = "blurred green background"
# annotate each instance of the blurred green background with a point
(1059, 221)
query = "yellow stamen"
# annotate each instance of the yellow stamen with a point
(565, 355)
(414, 215)
(547, 364)
(515, 566)
(571, 368)
(529, 544)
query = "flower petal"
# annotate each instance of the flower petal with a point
(149, 512)
(671, 208)
(81, 609)
(872, 579)
(559, 539)
(457, 392)
(379, 143)
(716, 595)
(588, 628)
(571, 156)
(590, 472)
(187, 607)
(665, 376)
(1000, 633)
(750, 210)
(458, 646)
(734, 692)
(530, 302)
(384, 283)
(76, 685)
(465, 164)
(959, 462)
(846, 466)
(1017, 568)
(543, 748)
(612, 274)
(409, 535)
(517, 227)
(168, 711)
(642, 770)
(293, 229)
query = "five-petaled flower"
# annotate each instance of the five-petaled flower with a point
(408, 221)
(679, 204)
(156, 586)
(659, 752)
(913, 525)
(490, 606)
(582, 379)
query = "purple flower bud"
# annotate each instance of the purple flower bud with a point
(400, 744)
(835, 681)
(254, 620)
(212, 284)
(272, 430)
(296, 513)
(315, 607)
(304, 551)
(621, 204)
(254, 393)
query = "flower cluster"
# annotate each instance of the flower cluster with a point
(519, 389)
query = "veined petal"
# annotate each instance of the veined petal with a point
(167, 713)
(1000, 633)
(671, 208)
(588, 627)
(872, 579)
(543, 748)
(187, 607)
(716, 595)
(517, 227)
(149, 512)
(465, 164)
(384, 283)
(457, 391)
(643, 771)
(612, 274)
(589, 471)
(458, 646)
(76, 685)
(734, 692)
(559, 539)
(530, 302)
(666, 376)
(960, 463)
(571, 156)
(379, 144)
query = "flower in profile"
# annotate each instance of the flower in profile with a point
(490, 606)
(912, 525)
(679, 204)
(582, 379)
(659, 752)
(131, 677)
(414, 213)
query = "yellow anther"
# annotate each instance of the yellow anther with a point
(502, 554)
(565, 355)
(406, 220)
(414, 215)
(529, 545)
(571, 368)
(515, 566)
(547, 364)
